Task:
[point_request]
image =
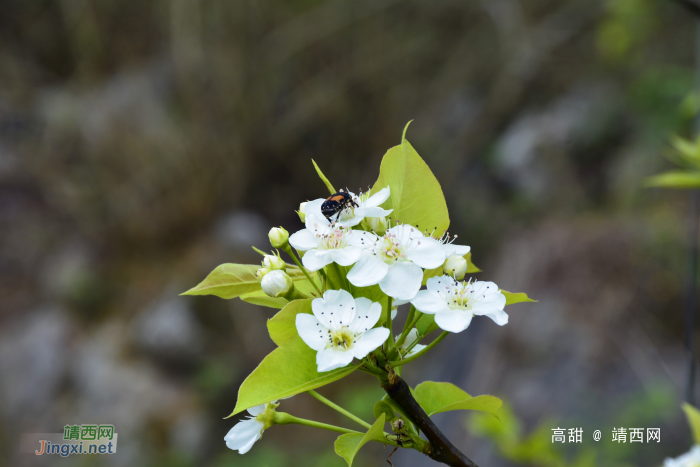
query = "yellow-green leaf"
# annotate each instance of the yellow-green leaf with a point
(228, 281)
(675, 179)
(323, 177)
(416, 196)
(263, 299)
(471, 267)
(282, 326)
(519, 297)
(347, 445)
(442, 397)
(382, 407)
(693, 416)
(288, 370)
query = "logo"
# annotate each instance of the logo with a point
(75, 439)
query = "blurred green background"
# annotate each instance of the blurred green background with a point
(144, 143)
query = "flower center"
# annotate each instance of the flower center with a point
(333, 239)
(341, 339)
(390, 249)
(460, 296)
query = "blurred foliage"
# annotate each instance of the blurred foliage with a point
(535, 447)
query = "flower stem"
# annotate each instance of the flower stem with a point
(389, 324)
(288, 249)
(413, 317)
(419, 354)
(338, 408)
(282, 418)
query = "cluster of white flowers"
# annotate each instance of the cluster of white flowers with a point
(689, 459)
(341, 327)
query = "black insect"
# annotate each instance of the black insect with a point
(335, 204)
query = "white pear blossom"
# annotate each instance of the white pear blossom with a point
(367, 206)
(689, 459)
(326, 243)
(394, 261)
(246, 432)
(411, 337)
(276, 283)
(455, 303)
(340, 328)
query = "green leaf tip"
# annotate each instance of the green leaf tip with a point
(323, 178)
(519, 297)
(347, 445)
(405, 129)
(693, 416)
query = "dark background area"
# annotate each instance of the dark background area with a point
(144, 143)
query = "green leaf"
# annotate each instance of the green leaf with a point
(428, 273)
(282, 326)
(347, 445)
(426, 324)
(693, 416)
(228, 281)
(442, 397)
(323, 177)
(262, 299)
(416, 196)
(519, 297)
(382, 407)
(288, 370)
(297, 274)
(471, 267)
(688, 150)
(675, 179)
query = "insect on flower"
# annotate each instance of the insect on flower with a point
(335, 204)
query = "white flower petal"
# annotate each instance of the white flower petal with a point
(371, 212)
(257, 410)
(316, 259)
(427, 253)
(427, 301)
(350, 222)
(452, 249)
(438, 283)
(367, 314)
(402, 281)
(311, 331)
(243, 435)
(378, 198)
(303, 240)
(360, 238)
(369, 341)
(346, 256)
(314, 216)
(331, 359)
(369, 270)
(416, 348)
(336, 308)
(453, 321)
(499, 317)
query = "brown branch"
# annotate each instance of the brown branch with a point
(441, 449)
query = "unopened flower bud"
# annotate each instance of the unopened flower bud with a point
(277, 283)
(262, 272)
(278, 237)
(398, 425)
(455, 266)
(302, 212)
(376, 224)
(272, 263)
